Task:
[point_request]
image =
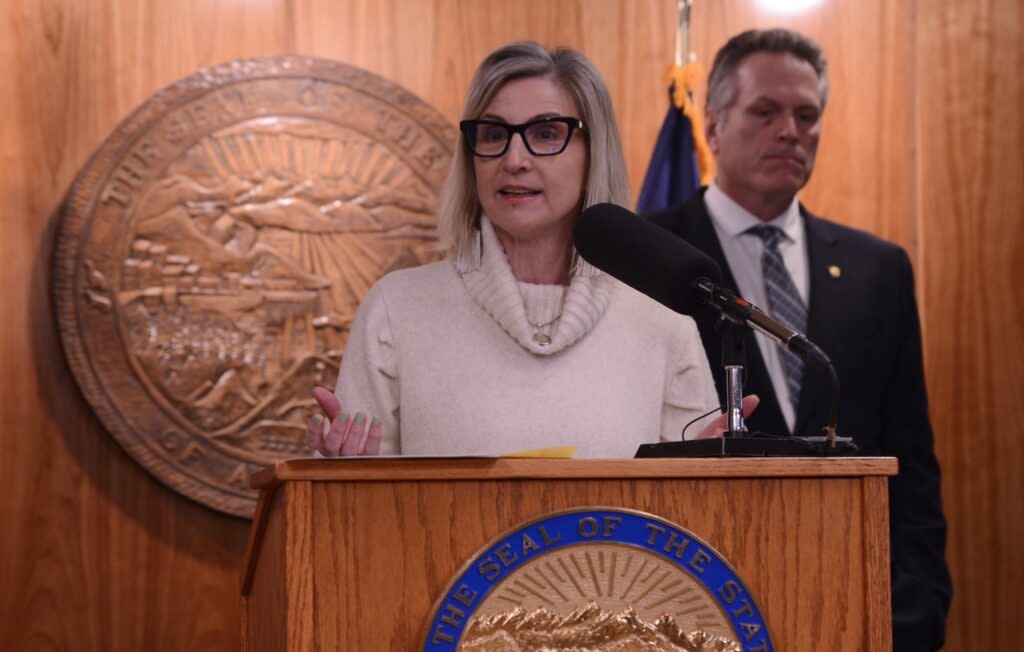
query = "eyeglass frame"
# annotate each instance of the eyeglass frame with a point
(573, 123)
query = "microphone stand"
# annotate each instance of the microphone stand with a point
(734, 402)
(736, 441)
(734, 357)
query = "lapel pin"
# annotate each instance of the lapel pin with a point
(834, 271)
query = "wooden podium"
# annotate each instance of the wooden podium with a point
(353, 554)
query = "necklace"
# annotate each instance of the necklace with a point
(541, 337)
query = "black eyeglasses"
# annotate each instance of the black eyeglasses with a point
(543, 137)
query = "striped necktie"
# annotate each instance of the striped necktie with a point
(784, 302)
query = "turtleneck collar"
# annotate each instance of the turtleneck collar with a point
(488, 278)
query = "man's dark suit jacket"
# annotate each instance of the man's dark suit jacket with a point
(865, 319)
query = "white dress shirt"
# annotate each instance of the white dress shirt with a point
(743, 252)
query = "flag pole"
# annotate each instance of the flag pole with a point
(685, 76)
(681, 161)
(683, 53)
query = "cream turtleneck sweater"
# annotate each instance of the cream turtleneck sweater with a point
(445, 355)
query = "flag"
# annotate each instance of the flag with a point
(681, 162)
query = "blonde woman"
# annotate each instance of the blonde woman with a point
(514, 342)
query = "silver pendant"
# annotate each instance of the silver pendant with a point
(542, 338)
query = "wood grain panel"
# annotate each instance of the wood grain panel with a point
(971, 189)
(264, 592)
(876, 522)
(390, 469)
(404, 541)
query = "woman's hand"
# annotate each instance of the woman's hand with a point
(348, 433)
(719, 425)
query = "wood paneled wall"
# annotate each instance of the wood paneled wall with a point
(969, 190)
(923, 145)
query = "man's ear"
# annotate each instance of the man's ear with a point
(712, 123)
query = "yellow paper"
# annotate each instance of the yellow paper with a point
(555, 452)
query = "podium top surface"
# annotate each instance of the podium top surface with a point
(367, 469)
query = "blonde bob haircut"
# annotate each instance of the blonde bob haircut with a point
(606, 180)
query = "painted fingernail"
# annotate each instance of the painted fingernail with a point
(342, 417)
(360, 418)
(375, 422)
(318, 421)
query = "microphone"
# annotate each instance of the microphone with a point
(656, 262)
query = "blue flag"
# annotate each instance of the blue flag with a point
(675, 171)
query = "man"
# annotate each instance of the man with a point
(851, 293)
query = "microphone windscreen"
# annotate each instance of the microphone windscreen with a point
(644, 256)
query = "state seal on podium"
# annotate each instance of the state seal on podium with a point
(597, 579)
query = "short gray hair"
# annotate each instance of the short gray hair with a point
(606, 180)
(722, 80)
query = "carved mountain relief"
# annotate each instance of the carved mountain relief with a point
(213, 254)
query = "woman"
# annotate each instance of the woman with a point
(514, 342)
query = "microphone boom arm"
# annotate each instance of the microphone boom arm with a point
(744, 313)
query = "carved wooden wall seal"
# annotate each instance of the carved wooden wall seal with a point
(213, 251)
